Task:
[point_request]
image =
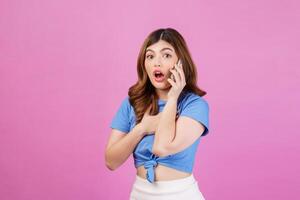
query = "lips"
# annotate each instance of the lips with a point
(158, 75)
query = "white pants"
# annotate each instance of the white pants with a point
(179, 189)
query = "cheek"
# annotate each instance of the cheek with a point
(147, 68)
(170, 63)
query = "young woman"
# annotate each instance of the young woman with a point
(161, 121)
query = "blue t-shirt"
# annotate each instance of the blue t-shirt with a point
(190, 105)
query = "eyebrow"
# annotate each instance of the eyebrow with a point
(166, 48)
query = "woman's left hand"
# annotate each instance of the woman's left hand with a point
(179, 83)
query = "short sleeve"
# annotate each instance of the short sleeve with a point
(197, 108)
(121, 120)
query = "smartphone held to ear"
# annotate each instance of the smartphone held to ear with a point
(172, 75)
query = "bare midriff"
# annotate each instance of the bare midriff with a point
(162, 173)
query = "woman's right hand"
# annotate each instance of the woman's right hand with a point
(149, 123)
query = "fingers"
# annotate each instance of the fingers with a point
(180, 71)
(178, 74)
(147, 112)
(171, 82)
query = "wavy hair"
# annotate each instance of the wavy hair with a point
(142, 94)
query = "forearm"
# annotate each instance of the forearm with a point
(118, 153)
(165, 132)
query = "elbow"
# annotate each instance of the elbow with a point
(110, 164)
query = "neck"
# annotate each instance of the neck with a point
(162, 94)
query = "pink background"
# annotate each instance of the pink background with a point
(66, 66)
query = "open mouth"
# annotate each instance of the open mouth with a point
(158, 74)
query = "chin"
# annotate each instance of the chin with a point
(161, 85)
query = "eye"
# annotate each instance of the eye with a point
(168, 55)
(149, 56)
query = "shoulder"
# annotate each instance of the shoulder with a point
(123, 119)
(126, 105)
(125, 102)
(196, 107)
(191, 98)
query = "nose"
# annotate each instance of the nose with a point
(158, 62)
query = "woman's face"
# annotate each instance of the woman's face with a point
(161, 57)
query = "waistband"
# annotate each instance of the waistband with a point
(164, 187)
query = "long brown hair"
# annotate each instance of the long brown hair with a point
(142, 94)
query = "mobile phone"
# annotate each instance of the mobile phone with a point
(172, 76)
(179, 62)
